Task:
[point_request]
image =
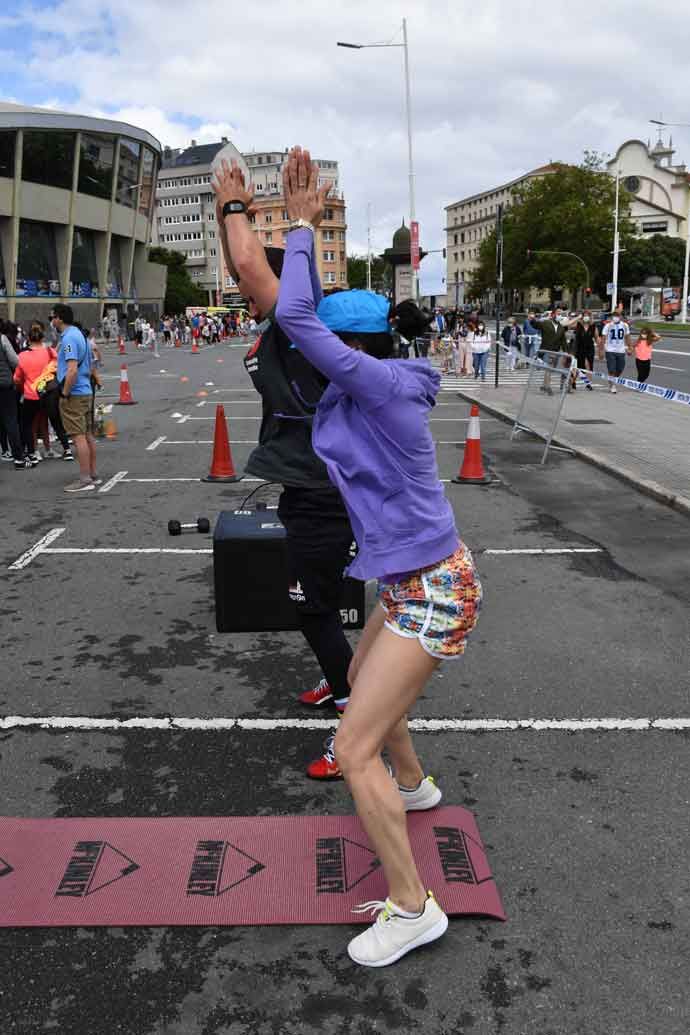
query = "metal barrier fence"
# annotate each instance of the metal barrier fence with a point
(545, 368)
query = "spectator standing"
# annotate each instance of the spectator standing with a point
(531, 336)
(480, 344)
(74, 368)
(586, 338)
(463, 355)
(615, 337)
(643, 352)
(511, 340)
(553, 339)
(32, 363)
(12, 449)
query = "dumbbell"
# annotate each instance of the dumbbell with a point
(200, 525)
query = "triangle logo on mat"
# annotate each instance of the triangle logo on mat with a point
(219, 866)
(5, 867)
(477, 857)
(358, 862)
(93, 865)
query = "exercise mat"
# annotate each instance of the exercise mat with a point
(226, 870)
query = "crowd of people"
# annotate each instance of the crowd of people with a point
(464, 342)
(202, 328)
(48, 379)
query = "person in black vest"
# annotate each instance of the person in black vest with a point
(319, 535)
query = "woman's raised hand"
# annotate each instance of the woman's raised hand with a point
(304, 198)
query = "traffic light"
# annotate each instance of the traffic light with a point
(444, 253)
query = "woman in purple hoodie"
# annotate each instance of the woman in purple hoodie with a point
(372, 432)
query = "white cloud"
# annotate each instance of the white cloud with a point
(496, 89)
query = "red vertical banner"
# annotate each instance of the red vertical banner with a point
(414, 244)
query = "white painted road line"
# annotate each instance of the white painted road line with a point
(112, 481)
(183, 419)
(206, 442)
(234, 419)
(43, 547)
(548, 550)
(155, 444)
(670, 352)
(124, 549)
(145, 480)
(36, 549)
(677, 370)
(587, 725)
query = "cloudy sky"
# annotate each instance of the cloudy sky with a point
(498, 87)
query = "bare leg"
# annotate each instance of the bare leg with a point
(407, 769)
(91, 443)
(83, 455)
(387, 685)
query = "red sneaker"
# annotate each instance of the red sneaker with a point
(318, 696)
(326, 767)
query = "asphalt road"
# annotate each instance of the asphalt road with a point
(587, 832)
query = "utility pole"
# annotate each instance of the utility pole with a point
(617, 242)
(414, 284)
(368, 246)
(499, 283)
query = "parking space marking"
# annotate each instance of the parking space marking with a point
(156, 442)
(548, 550)
(43, 547)
(144, 480)
(187, 418)
(172, 723)
(112, 481)
(36, 549)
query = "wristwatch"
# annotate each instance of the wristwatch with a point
(300, 224)
(233, 208)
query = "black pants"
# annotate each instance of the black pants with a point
(9, 423)
(643, 368)
(52, 404)
(29, 409)
(319, 539)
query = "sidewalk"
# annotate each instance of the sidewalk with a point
(646, 444)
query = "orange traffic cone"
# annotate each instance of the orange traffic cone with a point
(472, 470)
(178, 343)
(222, 467)
(125, 393)
(121, 346)
(195, 345)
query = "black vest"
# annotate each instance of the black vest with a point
(290, 389)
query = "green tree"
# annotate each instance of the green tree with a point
(357, 273)
(655, 256)
(181, 290)
(568, 210)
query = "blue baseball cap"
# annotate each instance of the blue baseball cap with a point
(355, 311)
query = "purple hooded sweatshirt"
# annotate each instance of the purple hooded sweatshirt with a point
(372, 432)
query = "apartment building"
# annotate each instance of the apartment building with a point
(468, 223)
(186, 216)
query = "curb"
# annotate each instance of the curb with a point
(649, 488)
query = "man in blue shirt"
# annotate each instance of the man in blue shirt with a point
(74, 367)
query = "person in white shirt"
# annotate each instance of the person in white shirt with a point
(616, 338)
(480, 343)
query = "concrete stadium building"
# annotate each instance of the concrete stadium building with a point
(76, 210)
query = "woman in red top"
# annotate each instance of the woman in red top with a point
(32, 363)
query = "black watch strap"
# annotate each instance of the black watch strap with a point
(233, 208)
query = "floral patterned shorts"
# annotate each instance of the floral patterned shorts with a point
(439, 605)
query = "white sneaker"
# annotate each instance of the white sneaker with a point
(613, 389)
(426, 795)
(392, 936)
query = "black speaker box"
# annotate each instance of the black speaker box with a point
(251, 576)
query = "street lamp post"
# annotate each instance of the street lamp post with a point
(684, 304)
(616, 245)
(408, 108)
